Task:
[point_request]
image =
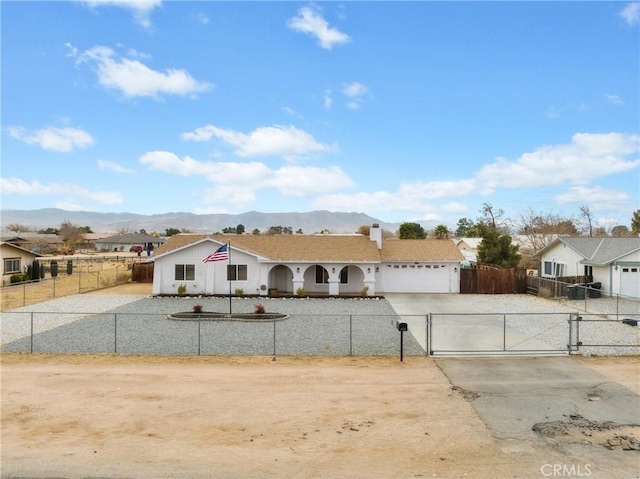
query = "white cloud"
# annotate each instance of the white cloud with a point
(237, 183)
(587, 157)
(109, 165)
(53, 138)
(276, 140)
(416, 196)
(312, 23)
(16, 186)
(631, 13)
(615, 99)
(355, 93)
(133, 78)
(141, 9)
(597, 197)
(202, 18)
(327, 100)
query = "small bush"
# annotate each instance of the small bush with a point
(197, 308)
(239, 292)
(259, 309)
(364, 291)
(54, 268)
(18, 278)
(300, 291)
(182, 289)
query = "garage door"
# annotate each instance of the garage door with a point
(417, 278)
(630, 281)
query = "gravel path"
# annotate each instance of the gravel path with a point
(134, 324)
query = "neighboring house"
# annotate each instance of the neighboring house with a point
(318, 264)
(15, 260)
(469, 248)
(613, 262)
(87, 241)
(125, 241)
(36, 242)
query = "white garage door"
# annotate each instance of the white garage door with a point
(630, 281)
(412, 278)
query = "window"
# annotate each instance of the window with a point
(185, 272)
(560, 270)
(548, 268)
(236, 272)
(344, 275)
(12, 265)
(322, 275)
(588, 270)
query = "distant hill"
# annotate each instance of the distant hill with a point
(310, 222)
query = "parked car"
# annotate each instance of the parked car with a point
(136, 249)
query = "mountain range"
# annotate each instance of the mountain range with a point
(309, 222)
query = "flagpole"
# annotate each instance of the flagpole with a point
(229, 264)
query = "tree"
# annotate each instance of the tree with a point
(85, 229)
(496, 249)
(70, 233)
(364, 230)
(280, 230)
(240, 229)
(540, 229)
(299, 231)
(441, 232)
(587, 220)
(620, 231)
(17, 228)
(494, 218)
(464, 224)
(635, 222)
(171, 231)
(49, 231)
(229, 229)
(411, 231)
(255, 231)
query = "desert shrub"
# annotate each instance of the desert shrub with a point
(544, 292)
(259, 309)
(364, 291)
(182, 289)
(300, 291)
(239, 292)
(18, 278)
(69, 266)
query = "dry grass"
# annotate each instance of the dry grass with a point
(86, 276)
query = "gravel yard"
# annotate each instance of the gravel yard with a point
(134, 324)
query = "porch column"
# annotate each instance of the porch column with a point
(334, 286)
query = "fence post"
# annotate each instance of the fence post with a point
(115, 333)
(199, 336)
(350, 335)
(31, 335)
(274, 336)
(504, 332)
(24, 293)
(430, 334)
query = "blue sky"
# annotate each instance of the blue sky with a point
(404, 111)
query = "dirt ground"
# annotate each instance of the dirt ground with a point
(252, 417)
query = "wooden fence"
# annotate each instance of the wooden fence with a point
(142, 272)
(493, 281)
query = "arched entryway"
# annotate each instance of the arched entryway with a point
(281, 279)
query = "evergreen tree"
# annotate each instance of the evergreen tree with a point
(497, 249)
(411, 231)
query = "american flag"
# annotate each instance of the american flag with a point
(220, 254)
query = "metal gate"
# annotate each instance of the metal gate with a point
(491, 334)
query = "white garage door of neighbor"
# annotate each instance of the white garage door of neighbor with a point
(411, 278)
(630, 281)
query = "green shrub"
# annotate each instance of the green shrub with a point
(364, 291)
(239, 292)
(18, 278)
(182, 289)
(69, 266)
(54, 268)
(300, 291)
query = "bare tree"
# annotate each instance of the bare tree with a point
(494, 218)
(540, 229)
(70, 233)
(18, 228)
(586, 217)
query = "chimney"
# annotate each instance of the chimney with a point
(375, 234)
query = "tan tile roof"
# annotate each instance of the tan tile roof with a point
(420, 250)
(303, 248)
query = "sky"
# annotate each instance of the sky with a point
(405, 111)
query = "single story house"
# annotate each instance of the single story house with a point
(318, 264)
(123, 242)
(36, 242)
(613, 262)
(15, 260)
(469, 248)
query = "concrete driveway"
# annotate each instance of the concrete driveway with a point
(484, 324)
(575, 410)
